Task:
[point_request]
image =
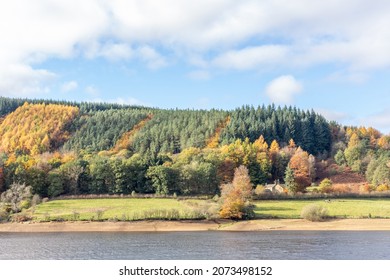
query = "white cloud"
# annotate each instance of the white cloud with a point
(352, 34)
(380, 121)
(22, 80)
(151, 57)
(69, 86)
(110, 51)
(251, 57)
(201, 75)
(283, 89)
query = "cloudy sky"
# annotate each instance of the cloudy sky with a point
(332, 56)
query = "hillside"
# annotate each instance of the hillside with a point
(36, 128)
(92, 148)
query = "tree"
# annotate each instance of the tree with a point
(161, 178)
(71, 172)
(289, 180)
(326, 186)
(300, 164)
(340, 158)
(235, 196)
(56, 184)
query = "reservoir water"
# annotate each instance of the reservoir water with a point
(271, 245)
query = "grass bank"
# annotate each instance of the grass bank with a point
(339, 208)
(127, 209)
(133, 209)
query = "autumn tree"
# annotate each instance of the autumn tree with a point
(355, 152)
(300, 165)
(44, 126)
(235, 196)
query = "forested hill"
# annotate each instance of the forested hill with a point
(99, 126)
(61, 147)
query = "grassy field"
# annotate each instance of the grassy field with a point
(172, 209)
(119, 209)
(341, 208)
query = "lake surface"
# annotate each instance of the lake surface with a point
(270, 245)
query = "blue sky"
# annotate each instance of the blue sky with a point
(332, 56)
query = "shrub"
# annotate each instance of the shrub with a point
(24, 204)
(21, 217)
(259, 189)
(366, 188)
(3, 215)
(76, 215)
(36, 199)
(314, 213)
(18, 196)
(342, 189)
(382, 188)
(326, 186)
(99, 214)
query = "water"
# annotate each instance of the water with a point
(271, 245)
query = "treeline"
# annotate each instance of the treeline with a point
(8, 105)
(308, 129)
(193, 171)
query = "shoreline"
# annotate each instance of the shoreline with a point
(218, 225)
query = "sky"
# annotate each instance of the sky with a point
(331, 56)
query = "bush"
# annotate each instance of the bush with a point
(3, 215)
(99, 214)
(36, 199)
(342, 189)
(18, 196)
(314, 213)
(24, 204)
(259, 189)
(326, 186)
(382, 188)
(21, 217)
(367, 188)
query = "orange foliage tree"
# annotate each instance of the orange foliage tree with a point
(300, 165)
(235, 196)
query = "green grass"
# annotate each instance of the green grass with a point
(343, 208)
(120, 209)
(172, 209)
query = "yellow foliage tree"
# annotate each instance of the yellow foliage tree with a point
(36, 128)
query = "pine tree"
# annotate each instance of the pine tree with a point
(289, 180)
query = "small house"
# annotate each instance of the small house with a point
(274, 188)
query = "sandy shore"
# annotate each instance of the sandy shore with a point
(221, 225)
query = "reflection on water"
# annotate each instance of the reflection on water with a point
(271, 245)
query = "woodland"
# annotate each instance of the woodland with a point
(60, 148)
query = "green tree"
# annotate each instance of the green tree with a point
(289, 180)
